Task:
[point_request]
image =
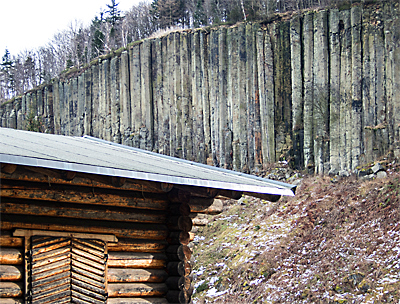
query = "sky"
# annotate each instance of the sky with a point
(29, 24)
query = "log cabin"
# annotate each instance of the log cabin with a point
(89, 221)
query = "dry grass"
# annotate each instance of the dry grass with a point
(341, 244)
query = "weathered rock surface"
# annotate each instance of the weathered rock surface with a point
(319, 89)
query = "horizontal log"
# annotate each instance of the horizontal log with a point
(199, 219)
(179, 238)
(10, 273)
(136, 290)
(12, 301)
(53, 176)
(83, 195)
(230, 194)
(29, 233)
(133, 245)
(215, 208)
(139, 231)
(179, 283)
(81, 212)
(199, 191)
(10, 290)
(136, 260)
(127, 275)
(137, 301)
(179, 253)
(182, 268)
(267, 197)
(8, 241)
(11, 256)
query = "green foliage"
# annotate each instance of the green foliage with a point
(203, 286)
(34, 123)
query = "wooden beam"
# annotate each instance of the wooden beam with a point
(133, 245)
(8, 241)
(267, 197)
(52, 176)
(137, 290)
(10, 290)
(230, 194)
(199, 191)
(138, 231)
(11, 256)
(128, 275)
(10, 273)
(136, 260)
(84, 195)
(29, 233)
(41, 208)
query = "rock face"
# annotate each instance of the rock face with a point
(320, 89)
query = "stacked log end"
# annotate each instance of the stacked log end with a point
(11, 268)
(179, 265)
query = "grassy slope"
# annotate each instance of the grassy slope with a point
(333, 243)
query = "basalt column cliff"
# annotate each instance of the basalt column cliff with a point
(319, 88)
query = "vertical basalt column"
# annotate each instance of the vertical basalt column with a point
(157, 82)
(165, 122)
(232, 95)
(204, 48)
(215, 103)
(95, 100)
(368, 93)
(135, 85)
(345, 91)
(250, 94)
(177, 98)
(297, 90)
(125, 101)
(88, 127)
(396, 82)
(147, 130)
(56, 106)
(321, 92)
(334, 67)
(308, 47)
(197, 102)
(357, 111)
(74, 110)
(186, 98)
(115, 94)
(242, 95)
(80, 111)
(223, 120)
(170, 92)
(381, 128)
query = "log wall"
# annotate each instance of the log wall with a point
(318, 88)
(150, 262)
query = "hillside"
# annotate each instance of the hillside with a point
(337, 241)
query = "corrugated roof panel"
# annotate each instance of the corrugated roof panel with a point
(91, 155)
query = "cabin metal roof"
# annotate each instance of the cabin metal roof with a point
(95, 156)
